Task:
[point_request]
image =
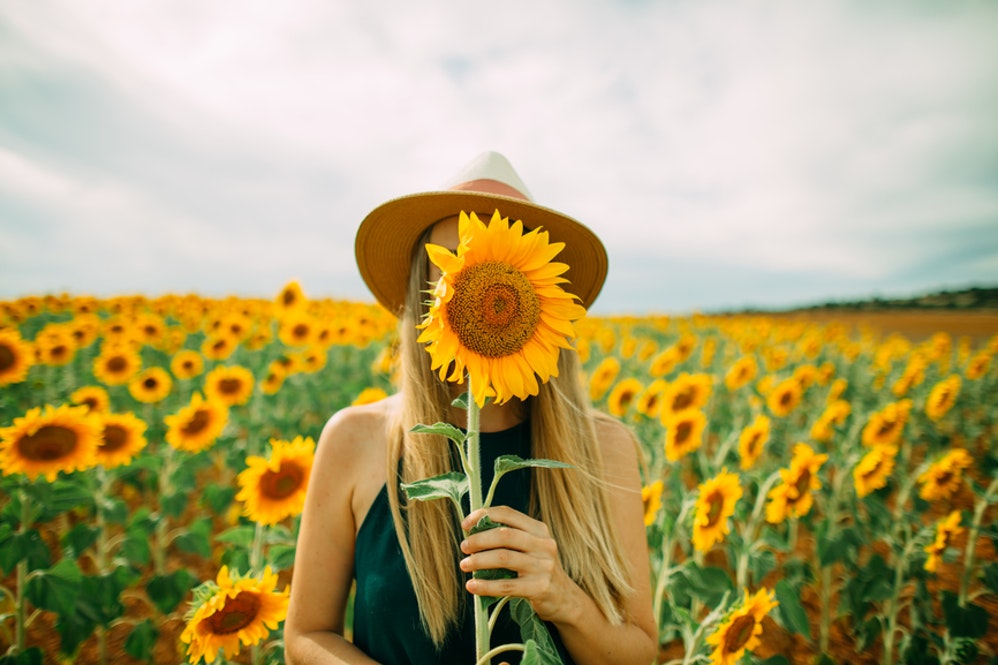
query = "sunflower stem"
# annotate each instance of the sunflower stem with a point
(475, 498)
(256, 554)
(102, 549)
(975, 526)
(20, 622)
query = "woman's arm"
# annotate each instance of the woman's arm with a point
(323, 572)
(526, 546)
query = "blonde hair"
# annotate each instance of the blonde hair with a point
(573, 503)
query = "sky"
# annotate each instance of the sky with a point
(764, 154)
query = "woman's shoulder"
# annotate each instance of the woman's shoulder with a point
(618, 445)
(358, 434)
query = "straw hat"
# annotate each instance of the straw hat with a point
(387, 236)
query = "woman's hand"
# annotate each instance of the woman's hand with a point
(526, 547)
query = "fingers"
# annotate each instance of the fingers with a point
(509, 517)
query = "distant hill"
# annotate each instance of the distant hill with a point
(969, 299)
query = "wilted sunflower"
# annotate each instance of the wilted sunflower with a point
(752, 440)
(122, 437)
(684, 433)
(793, 498)
(650, 400)
(687, 391)
(873, 470)
(603, 377)
(45, 442)
(231, 385)
(187, 364)
(622, 395)
(16, 357)
(151, 385)
(498, 309)
(117, 364)
(94, 398)
(369, 396)
(715, 504)
(942, 397)
(651, 497)
(741, 372)
(784, 397)
(741, 629)
(947, 529)
(232, 612)
(274, 488)
(945, 476)
(196, 426)
(886, 426)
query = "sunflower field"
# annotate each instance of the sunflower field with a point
(814, 493)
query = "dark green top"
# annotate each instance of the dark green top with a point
(386, 623)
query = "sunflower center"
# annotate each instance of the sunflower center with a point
(683, 431)
(116, 364)
(7, 357)
(752, 445)
(282, 483)
(237, 613)
(150, 383)
(495, 309)
(715, 504)
(803, 483)
(739, 633)
(50, 442)
(115, 437)
(198, 422)
(229, 386)
(683, 399)
(786, 399)
(944, 478)
(300, 331)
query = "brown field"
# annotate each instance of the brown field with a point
(915, 324)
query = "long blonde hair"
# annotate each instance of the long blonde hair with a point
(572, 502)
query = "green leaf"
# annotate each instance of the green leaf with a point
(174, 505)
(793, 613)
(74, 628)
(197, 538)
(79, 538)
(775, 660)
(166, 591)
(241, 536)
(218, 498)
(507, 463)
(461, 401)
(991, 577)
(532, 628)
(451, 486)
(142, 640)
(136, 547)
(56, 589)
(842, 547)
(533, 654)
(281, 557)
(441, 429)
(969, 621)
(30, 656)
(708, 583)
(115, 510)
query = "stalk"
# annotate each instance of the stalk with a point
(161, 540)
(20, 620)
(748, 539)
(474, 472)
(975, 527)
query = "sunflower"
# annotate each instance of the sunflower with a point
(715, 504)
(741, 629)
(946, 531)
(837, 389)
(665, 362)
(873, 470)
(622, 395)
(196, 426)
(741, 372)
(219, 346)
(942, 397)
(688, 391)
(315, 358)
(977, 367)
(231, 612)
(94, 398)
(122, 437)
(912, 376)
(274, 488)
(187, 364)
(752, 440)
(116, 364)
(650, 400)
(150, 329)
(684, 433)
(45, 442)
(151, 385)
(945, 476)
(834, 415)
(369, 395)
(16, 357)
(651, 497)
(274, 379)
(794, 498)
(603, 377)
(297, 328)
(55, 346)
(232, 385)
(498, 309)
(784, 397)
(290, 297)
(886, 426)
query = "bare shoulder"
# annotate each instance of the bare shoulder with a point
(352, 443)
(618, 446)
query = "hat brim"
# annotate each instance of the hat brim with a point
(387, 235)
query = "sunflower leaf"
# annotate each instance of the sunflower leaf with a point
(441, 429)
(166, 591)
(451, 486)
(56, 588)
(793, 613)
(507, 463)
(141, 640)
(461, 401)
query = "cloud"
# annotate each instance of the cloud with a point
(771, 151)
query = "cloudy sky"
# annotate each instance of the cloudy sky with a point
(730, 154)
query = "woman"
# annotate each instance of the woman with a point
(574, 537)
